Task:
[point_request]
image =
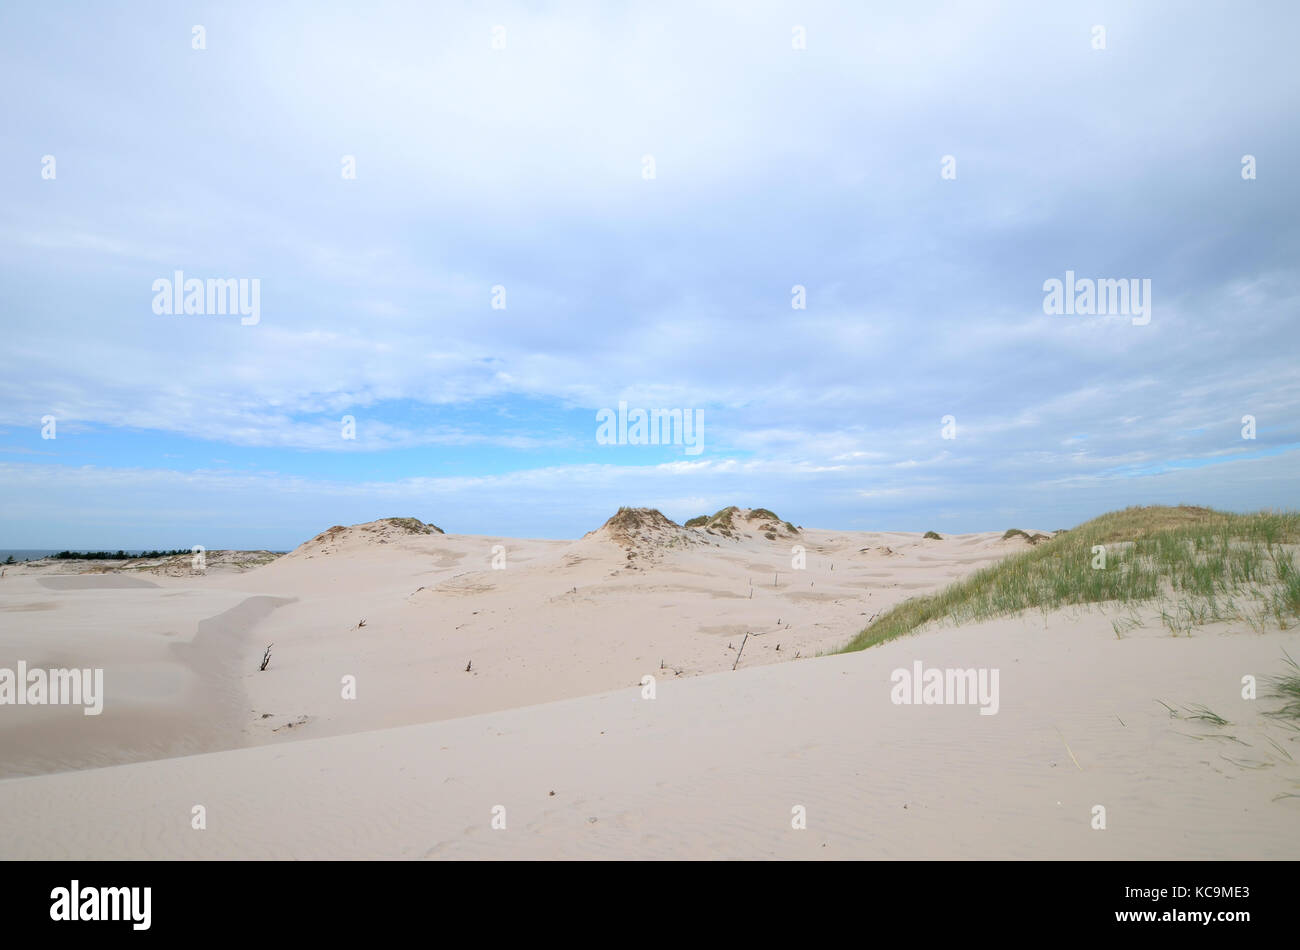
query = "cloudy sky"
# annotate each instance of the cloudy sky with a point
(128, 155)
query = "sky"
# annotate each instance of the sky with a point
(555, 208)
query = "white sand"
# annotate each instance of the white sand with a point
(710, 768)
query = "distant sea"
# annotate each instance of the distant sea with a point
(31, 554)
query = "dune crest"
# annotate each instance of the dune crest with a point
(382, 531)
(644, 533)
(736, 523)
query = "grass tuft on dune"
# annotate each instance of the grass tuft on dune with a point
(1199, 565)
(1287, 688)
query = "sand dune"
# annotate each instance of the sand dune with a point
(496, 671)
(551, 620)
(713, 766)
(170, 657)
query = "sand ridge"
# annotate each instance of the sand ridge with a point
(427, 626)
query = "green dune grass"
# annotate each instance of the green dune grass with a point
(1286, 687)
(1197, 564)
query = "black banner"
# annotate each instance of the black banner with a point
(301, 900)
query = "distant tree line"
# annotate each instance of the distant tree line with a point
(110, 556)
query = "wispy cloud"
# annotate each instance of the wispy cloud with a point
(522, 169)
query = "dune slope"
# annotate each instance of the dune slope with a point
(713, 766)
